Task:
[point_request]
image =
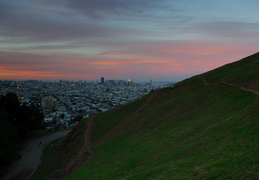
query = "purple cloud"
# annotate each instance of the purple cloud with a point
(227, 29)
(33, 23)
(123, 36)
(99, 9)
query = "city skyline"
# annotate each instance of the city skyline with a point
(140, 40)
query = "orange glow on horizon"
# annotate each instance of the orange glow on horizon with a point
(165, 59)
(10, 74)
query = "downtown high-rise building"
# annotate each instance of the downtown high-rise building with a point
(102, 80)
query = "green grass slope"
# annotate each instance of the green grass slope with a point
(202, 129)
(243, 72)
(196, 131)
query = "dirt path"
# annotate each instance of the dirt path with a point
(122, 124)
(204, 80)
(30, 156)
(87, 148)
(251, 90)
(232, 85)
(240, 87)
(83, 155)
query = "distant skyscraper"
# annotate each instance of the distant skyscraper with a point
(102, 80)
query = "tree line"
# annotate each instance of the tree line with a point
(16, 121)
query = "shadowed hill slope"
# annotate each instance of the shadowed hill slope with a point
(205, 128)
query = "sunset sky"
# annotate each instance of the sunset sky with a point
(162, 40)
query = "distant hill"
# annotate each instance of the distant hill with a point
(204, 128)
(31, 81)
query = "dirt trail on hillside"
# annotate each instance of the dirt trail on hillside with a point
(250, 90)
(240, 87)
(83, 155)
(205, 82)
(86, 152)
(88, 144)
(122, 124)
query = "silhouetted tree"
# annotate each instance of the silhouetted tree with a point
(8, 140)
(15, 122)
(29, 119)
(11, 105)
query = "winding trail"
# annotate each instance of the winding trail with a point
(86, 152)
(87, 148)
(30, 156)
(250, 90)
(206, 83)
(240, 87)
(82, 156)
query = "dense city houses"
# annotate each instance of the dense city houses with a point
(62, 101)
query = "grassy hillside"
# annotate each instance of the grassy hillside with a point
(202, 129)
(243, 72)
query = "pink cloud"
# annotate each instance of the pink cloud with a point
(159, 58)
(111, 53)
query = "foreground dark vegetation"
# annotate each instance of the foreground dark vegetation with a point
(205, 128)
(16, 122)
